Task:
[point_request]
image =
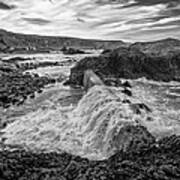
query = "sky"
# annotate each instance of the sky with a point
(128, 20)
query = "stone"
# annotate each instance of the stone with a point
(90, 79)
(126, 84)
(127, 92)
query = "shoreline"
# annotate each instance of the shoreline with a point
(143, 160)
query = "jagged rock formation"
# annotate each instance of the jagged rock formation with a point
(129, 63)
(90, 79)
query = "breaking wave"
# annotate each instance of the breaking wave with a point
(91, 129)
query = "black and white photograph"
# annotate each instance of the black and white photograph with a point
(89, 89)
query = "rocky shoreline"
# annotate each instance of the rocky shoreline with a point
(16, 85)
(142, 161)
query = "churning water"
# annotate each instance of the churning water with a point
(89, 129)
(88, 126)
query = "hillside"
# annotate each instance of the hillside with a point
(13, 42)
(162, 47)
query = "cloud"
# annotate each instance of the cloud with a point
(154, 2)
(37, 21)
(103, 19)
(4, 6)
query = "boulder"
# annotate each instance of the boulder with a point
(127, 84)
(127, 92)
(90, 79)
(132, 137)
(129, 63)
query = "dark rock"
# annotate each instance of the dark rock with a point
(130, 137)
(52, 81)
(143, 159)
(32, 96)
(129, 63)
(137, 108)
(126, 101)
(72, 51)
(116, 82)
(127, 84)
(143, 106)
(16, 86)
(127, 92)
(67, 83)
(40, 91)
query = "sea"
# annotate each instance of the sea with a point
(64, 119)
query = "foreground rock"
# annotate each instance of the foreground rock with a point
(152, 161)
(91, 79)
(130, 63)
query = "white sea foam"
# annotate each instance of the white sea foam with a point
(89, 129)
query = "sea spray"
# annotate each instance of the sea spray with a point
(96, 128)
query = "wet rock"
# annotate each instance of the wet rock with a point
(126, 101)
(138, 107)
(129, 63)
(116, 82)
(150, 119)
(52, 81)
(67, 83)
(127, 92)
(90, 79)
(144, 106)
(132, 137)
(16, 86)
(40, 91)
(32, 96)
(126, 84)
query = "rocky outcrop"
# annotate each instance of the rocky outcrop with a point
(130, 137)
(16, 86)
(156, 160)
(97, 64)
(90, 79)
(129, 63)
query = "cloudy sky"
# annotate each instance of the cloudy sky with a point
(130, 20)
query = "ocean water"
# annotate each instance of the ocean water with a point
(86, 123)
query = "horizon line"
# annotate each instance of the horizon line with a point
(90, 39)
